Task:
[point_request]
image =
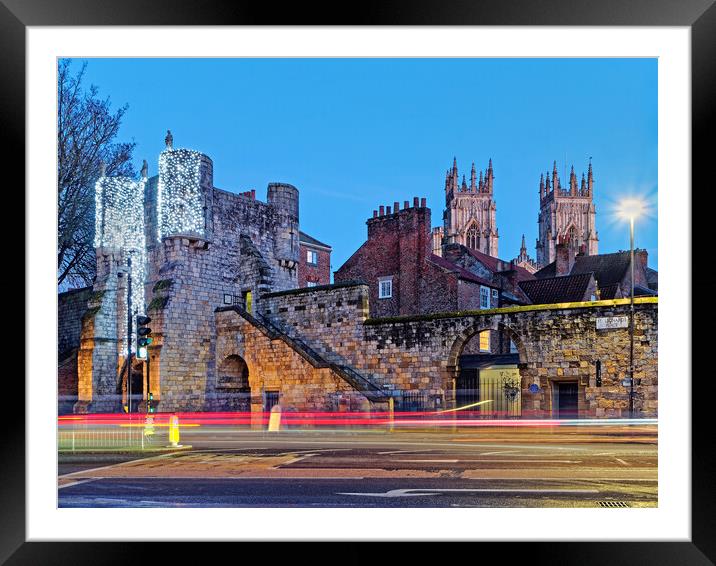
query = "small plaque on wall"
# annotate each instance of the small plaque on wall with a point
(611, 322)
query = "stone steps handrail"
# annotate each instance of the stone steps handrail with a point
(358, 381)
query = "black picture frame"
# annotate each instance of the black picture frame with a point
(698, 15)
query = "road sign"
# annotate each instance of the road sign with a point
(612, 322)
(534, 388)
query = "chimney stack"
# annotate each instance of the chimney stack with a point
(564, 259)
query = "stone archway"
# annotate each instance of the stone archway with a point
(232, 383)
(488, 364)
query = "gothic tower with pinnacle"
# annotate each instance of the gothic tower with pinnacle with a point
(566, 216)
(469, 215)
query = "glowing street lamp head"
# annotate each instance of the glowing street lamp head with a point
(631, 209)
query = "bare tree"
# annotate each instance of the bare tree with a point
(86, 129)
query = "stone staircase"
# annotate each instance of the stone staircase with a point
(367, 386)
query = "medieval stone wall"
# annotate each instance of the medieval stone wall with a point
(71, 305)
(274, 366)
(422, 352)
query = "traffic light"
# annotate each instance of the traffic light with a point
(143, 339)
(151, 405)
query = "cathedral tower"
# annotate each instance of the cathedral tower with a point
(566, 215)
(469, 216)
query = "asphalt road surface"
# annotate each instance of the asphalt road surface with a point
(514, 467)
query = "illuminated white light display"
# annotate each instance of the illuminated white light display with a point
(180, 207)
(119, 224)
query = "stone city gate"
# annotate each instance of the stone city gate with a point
(314, 346)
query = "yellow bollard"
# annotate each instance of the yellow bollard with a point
(174, 431)
(275, 419)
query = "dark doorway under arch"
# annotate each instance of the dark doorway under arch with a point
(488, 374)
(232, 384)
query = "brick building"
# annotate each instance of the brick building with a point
(403, 275)
(314, 263)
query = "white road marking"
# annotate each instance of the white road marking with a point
(496, 461)
(627, 480)
(454, 445)
(76, 483)
(194, 478)
(429, 461)
(428, 492)
(500, 452)
(406, 451)
(292, 461)
(114, 465)
(622, 462)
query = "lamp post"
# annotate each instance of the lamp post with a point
(631, 320)
(631, 209)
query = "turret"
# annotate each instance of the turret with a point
(490, 180)
(284, 200)
(555, 177)
(542, 192)
(572, 182)
(590, 178)
(473, 176)
(184, 193)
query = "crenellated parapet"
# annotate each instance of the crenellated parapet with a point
(567, 215)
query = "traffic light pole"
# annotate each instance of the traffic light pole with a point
(129, 335)
(143, 341)
(148, 393)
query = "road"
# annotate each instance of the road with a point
(580, 466)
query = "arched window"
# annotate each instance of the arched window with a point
(233, 373)
(572, 240)
(473, 238)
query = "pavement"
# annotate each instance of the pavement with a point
(501, 467)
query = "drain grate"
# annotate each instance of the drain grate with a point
(613, 504)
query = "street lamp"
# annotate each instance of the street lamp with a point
(631, 209)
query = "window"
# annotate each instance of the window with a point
(312, 257)
(473, 239)
(385, 287)
(248, 301)
(513, 347)
(311, 283)
(484, 298)
(485, 341)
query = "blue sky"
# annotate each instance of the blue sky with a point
(353, 134)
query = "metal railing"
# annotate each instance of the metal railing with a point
(140, 436)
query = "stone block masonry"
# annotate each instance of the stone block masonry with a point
(204, 248)
(556, 343)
